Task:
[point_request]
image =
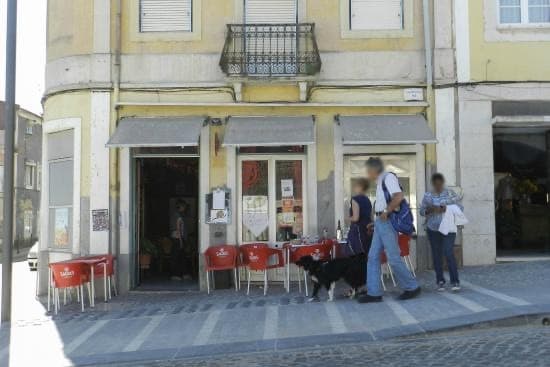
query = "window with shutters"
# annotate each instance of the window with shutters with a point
(376, 18)
(270, 11)
(166, 16)
(376, 14)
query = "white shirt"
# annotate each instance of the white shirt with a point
(452, 218)
(392, 184)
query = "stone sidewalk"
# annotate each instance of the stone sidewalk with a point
(164, 326)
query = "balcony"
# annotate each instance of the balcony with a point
(270, 50)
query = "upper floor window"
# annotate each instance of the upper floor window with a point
(166, 16)
(30, 170)
(28, 129)
(376, 15)
(524, 11)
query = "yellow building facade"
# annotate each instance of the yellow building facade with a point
(492, 127)
(258, 115)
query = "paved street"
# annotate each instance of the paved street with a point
(518, 346)
(174, 326)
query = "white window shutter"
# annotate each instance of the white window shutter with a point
(376, 14)
(270, 11)
(166, 15)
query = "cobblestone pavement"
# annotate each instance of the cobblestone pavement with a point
(519, 346)
(171, 326)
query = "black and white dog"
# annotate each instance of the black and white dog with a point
(353, 270)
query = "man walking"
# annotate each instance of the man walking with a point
(385, 237)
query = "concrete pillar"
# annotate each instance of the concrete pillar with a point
(477, 181)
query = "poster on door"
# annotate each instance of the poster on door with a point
(287, 188)
(255, 214)
(61, 229)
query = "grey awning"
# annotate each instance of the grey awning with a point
(157, 132)
(269, 131)
(386, 129)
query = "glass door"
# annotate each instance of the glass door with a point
(271, 200)
(403, 165)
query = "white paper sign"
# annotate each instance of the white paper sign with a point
(218, 216)
(218, 199)
(256, 223)
(287, 188)
(255, 204)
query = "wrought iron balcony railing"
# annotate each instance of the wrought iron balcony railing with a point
(270, 50)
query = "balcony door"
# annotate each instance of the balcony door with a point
(271, 36)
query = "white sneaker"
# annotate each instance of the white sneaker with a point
(455, 287)
(175, 278)
(441, 287)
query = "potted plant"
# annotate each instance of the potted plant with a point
(526, 188)
(146, 252)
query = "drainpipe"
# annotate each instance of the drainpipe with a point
(422, 252)
(430, 98)
(114, 153)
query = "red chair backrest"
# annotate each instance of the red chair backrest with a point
(256, 256)
(67, 274)
(221, 257)
(404, 244)
(244, 248)
(319, 251)
(383, 258)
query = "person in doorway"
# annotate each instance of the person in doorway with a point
(359, 238)
(180, 239)
(434, 205)
(385, 237)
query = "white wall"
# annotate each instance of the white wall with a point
(476, 173)
(99, 167)
(445, 134)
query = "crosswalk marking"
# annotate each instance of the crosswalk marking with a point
(271, 321)
(465, 302)
(402, 314)
(79, 340)
(140, 338)
(335, 318)
(503, 297)
(207, 328)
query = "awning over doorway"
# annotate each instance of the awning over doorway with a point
(385, 129)
(269, 131)
(157, 132)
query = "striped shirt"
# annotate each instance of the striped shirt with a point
(431, 199)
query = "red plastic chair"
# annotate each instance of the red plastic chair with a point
(106, 271)
(221, 257)
(257, 257)
(67, 275)
(319, 251)
(405, 251)
(385, 265)
(242, 261)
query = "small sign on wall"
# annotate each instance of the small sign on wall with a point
(100, 220)
(413, 94)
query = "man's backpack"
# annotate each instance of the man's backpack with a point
(401, 219)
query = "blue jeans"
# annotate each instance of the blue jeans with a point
(385, 238)
(442, 245)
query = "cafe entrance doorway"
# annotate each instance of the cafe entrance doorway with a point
(167, 222)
